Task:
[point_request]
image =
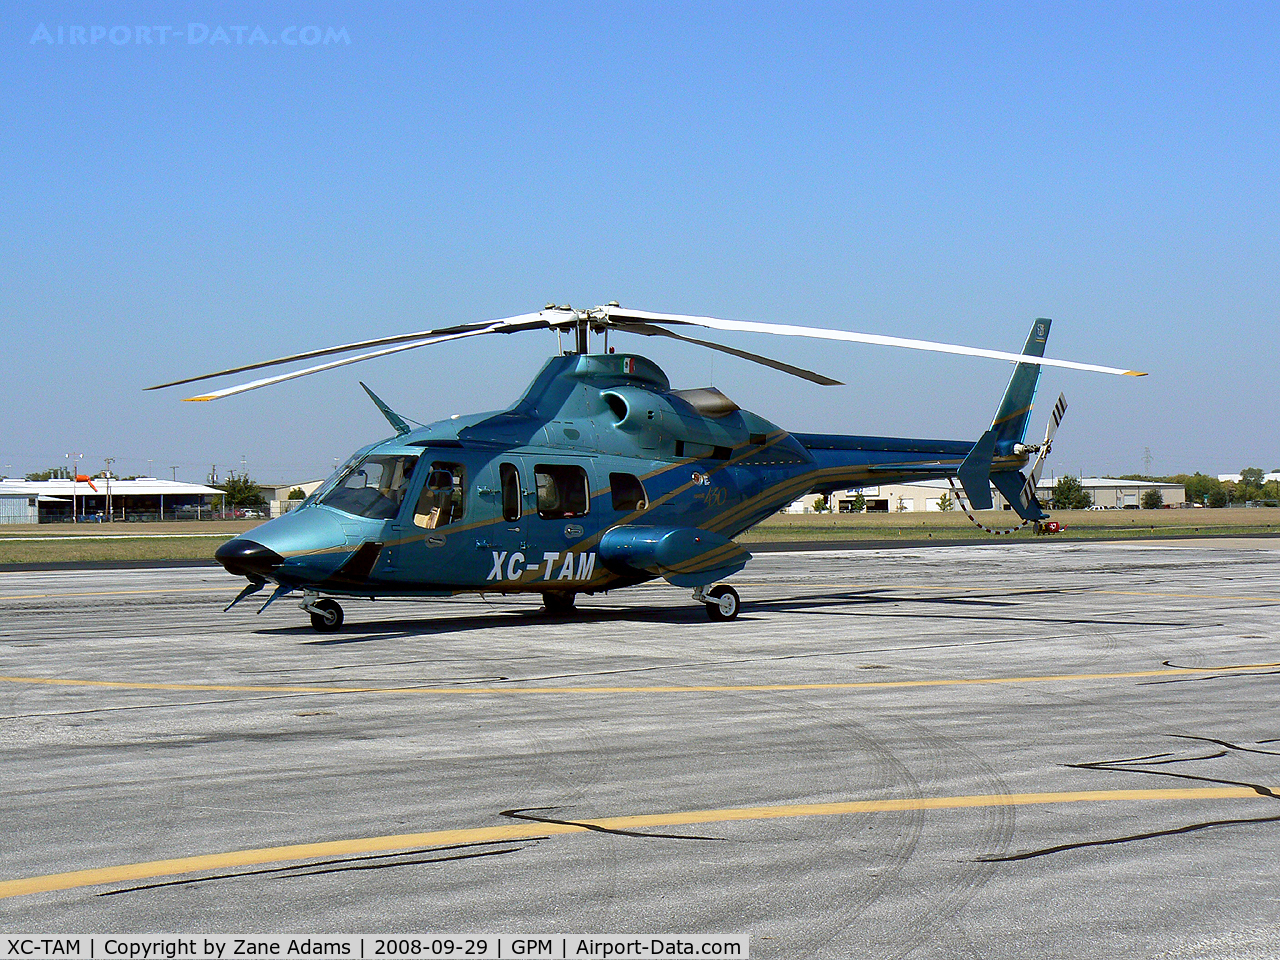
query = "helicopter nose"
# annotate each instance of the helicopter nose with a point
(246, 558)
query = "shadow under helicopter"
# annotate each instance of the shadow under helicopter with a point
(860, 603)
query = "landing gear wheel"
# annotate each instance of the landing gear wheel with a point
(558, 604)
(724, 603)
(326, 616)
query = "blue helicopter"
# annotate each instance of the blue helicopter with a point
(601, 476)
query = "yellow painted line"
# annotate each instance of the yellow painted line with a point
(1181, 596)
(994, 591)
(73, 537)
(133, 872)
(692, 688)
(111, 593)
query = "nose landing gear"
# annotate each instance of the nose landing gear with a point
(326, 614)
(722, 601)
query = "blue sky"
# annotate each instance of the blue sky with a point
(939, 171)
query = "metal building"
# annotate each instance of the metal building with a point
(927, 495)
(55, 501)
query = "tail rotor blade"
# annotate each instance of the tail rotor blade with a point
(1055, 420)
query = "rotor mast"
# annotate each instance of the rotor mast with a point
(578, 320)
(581, 323)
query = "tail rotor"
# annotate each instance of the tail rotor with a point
(1042, 451)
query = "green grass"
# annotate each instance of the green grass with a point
(1080, 524)
(115, 542)
(197, 540)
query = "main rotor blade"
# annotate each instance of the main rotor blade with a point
(527, 321)
(651, 330)
(294, 374)
(822, 333)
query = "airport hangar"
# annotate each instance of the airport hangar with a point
(147, 498)
(927, 494)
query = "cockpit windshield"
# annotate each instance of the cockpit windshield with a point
(322, 491)
(372, 487)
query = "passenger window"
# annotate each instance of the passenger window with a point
(562, 490)
(510, 477)
(628, 494)
(443, 497)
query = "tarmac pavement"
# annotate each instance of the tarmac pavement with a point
(1046, 749)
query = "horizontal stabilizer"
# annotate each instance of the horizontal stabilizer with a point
(685, 556)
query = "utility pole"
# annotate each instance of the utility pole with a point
(108, 461)
(74, 460)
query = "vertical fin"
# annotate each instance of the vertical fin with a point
(1010, 423)
(1007, 429)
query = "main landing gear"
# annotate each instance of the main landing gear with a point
(722, 601)
(558, 603)
(326, 614)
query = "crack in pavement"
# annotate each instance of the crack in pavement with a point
(1141, 765)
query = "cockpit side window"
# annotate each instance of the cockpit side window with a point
(628, 494)
(443, 497)
(372, 487)
(562, 490)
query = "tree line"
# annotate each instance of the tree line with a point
(1252, 487)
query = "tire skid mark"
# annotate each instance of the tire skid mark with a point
(575, 777)
(891, 840)
(995, 833)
